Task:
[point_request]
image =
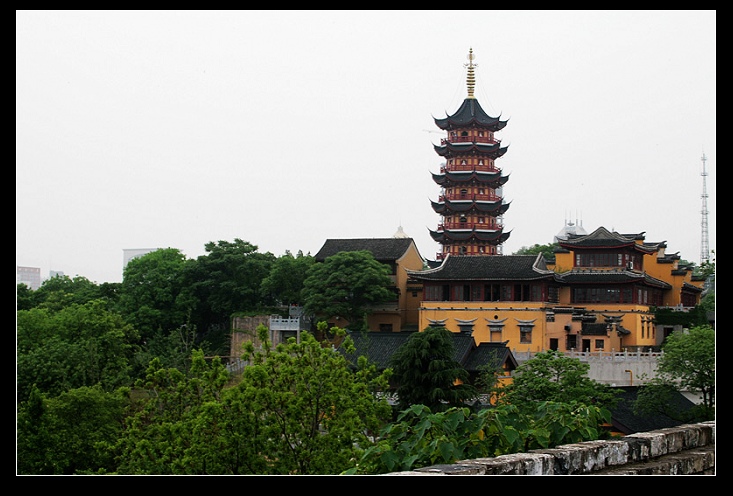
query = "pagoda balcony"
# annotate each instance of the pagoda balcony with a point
(469, 139)
(467, 197)
(495, 226)
(469, 168)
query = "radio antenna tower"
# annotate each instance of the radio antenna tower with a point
(704, 248)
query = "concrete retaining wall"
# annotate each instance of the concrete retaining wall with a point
(684, 450)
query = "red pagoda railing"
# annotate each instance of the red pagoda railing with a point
(469, 139)
(476, 197)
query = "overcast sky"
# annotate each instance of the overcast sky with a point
(157, 129)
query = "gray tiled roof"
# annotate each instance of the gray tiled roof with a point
(614, 276)
(493, 355)
(383, 249)
(495, 268)
(625, 420)
(470, 112)
(603, 238)
(379, 347)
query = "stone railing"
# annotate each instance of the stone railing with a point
(684, 450)
(598, 356)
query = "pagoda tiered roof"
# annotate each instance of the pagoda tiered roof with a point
(493, 150)
(446, 207)
(447, 237)
(493, 179)
(470, 114)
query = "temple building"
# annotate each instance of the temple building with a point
(470, 202)
(598, 293)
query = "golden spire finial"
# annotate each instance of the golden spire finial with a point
(471, 79)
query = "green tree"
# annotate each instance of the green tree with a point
(72, 433)
(687, 364)
(551, 376)
(159, 433)
(346, 285)
(23, 297)
(61, 291)
(153, 293)
(426, 372)
(80, 345)
(225, 281)
(284, 283)
(296, 409)
(548, 250)
(421, 438)
(314, 412)
(707, 270)
(33, 443)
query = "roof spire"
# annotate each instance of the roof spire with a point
(470, 79)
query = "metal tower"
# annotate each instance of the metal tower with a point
(704, 248)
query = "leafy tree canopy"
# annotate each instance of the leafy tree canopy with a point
(72, 433)
(548, 251)
(285, 282)
(346, 285)
(61, 291)
(426, 372)
(228, 278)
(296, 409)
(152, 293)
(80, 345)
(687, 364)
(551, 376)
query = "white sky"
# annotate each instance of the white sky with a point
(156, 129)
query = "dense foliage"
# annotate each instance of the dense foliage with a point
(76, 346)
(427, 373)
(548, 250)
(687, 363)
(297, 409)
(346, 285)
(118, 378)
(551, 376)
(421, 437)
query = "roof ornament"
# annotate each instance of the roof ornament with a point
(470, 79)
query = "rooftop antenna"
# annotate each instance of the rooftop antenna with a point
(704, 248)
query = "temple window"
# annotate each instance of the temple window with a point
(525, 334)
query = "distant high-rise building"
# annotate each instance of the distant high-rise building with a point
(55, 273)
(30, 276)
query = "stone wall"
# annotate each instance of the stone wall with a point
(684, 450)
(245, 329)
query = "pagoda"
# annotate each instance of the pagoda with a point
(470, 202)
